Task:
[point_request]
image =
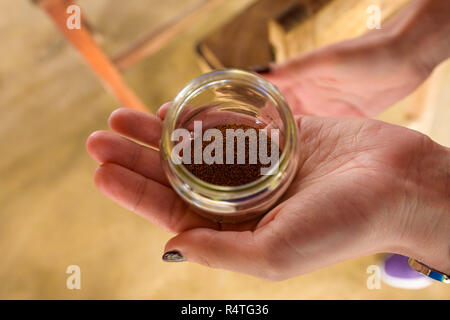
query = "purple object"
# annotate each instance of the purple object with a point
(396, 272)
(397, 266)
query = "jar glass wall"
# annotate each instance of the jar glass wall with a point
(219, 98)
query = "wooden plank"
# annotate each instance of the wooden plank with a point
(320, 23)
(162, 35)
(243, 42)
(293, 30)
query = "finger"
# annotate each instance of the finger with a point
(105, 146)
(149, 199)
(162, 111)
(137, 125)
(230, 250)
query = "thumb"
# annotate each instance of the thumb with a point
(231, 250)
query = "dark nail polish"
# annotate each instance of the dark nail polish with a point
(260, 69)
(173, 256)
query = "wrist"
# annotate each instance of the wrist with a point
(426, 220)
(422, 34)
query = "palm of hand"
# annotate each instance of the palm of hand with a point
(327, 214)
(345, 168)
(340, 205)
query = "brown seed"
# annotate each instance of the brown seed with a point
(229, 174)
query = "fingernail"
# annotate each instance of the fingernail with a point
(173, 256)
(260, 69)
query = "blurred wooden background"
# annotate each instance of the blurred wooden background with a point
(51, 215)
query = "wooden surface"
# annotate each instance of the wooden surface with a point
(161, 36)
(242, 42)
(51, 215)
(294, 31)
(323, 22)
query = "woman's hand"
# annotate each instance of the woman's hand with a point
(360, 78)
(363, 187)
(364, 76)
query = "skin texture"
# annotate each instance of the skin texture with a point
(363, 186)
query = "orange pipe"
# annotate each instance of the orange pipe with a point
(84, 43)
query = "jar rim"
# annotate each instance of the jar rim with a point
(215, 79)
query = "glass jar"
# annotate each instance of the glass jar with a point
(217, 97)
